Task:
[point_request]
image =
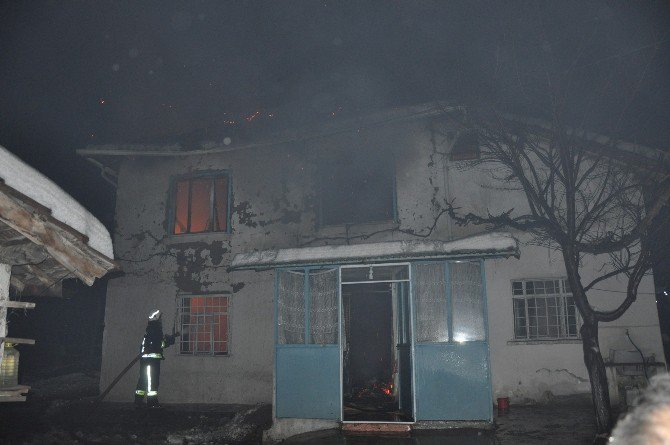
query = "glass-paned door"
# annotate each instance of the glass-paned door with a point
(307, 357)
(451, 355)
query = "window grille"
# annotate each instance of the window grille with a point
(544, 310)
(204, 325)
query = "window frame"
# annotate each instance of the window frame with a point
(394, 199)
(172, 203)
(562, 294)
(180, 313)
(464, 148)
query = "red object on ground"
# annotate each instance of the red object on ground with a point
(503, 404)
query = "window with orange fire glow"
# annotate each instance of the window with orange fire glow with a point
(204, 325)
(201, 204)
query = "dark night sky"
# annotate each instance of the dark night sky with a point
(76, 73)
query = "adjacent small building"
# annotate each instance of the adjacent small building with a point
(45, 237)
(317, 270)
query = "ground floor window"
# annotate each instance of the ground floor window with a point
(544, 310)
(204, 325)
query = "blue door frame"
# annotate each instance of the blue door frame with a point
(307, 376)
(451, 380)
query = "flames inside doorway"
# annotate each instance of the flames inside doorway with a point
(376, 371)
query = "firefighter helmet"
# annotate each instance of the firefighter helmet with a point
(155, 315)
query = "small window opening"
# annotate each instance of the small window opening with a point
(466, 146)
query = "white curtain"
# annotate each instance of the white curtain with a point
(431, 302)
(467, 301)
(291, 307)
(323, 306)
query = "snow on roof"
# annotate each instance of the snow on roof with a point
(485, 245)
(28, 181)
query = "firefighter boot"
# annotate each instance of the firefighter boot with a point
(152, 402)
(139, 401)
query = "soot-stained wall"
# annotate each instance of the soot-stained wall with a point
(275, 204)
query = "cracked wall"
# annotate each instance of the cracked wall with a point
(536, 371)
(275, 205)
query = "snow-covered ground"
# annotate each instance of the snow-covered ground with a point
(25, 179)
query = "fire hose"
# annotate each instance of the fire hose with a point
(122, 373)
(118, 377)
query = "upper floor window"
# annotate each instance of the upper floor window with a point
(357, 186)
(465, 147)
(544, 310)
(201, 204)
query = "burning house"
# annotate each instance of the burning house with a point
(317, 270)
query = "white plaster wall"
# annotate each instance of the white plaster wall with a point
(153, 259)
(526, 372)
(530, 371)
(274, 206)
(5, 275)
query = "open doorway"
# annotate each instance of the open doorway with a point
(376, 362)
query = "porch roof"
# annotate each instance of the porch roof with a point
(487, 245)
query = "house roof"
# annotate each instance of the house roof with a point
(260, 138)
(493, 244)
(46, 235)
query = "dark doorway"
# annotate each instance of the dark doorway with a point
(375, 367)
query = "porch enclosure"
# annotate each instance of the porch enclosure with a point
(443, 358)
(307, 356)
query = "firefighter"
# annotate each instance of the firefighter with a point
(153, 344)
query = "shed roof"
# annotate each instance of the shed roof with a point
(45, 235)
(492, 244)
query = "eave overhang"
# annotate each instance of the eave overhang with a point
(487, 245)
(41, 249)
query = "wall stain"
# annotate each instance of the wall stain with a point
(287, 217)
(216, 252)
(245, 215)
(237, 287)
(192, 259)
(565, 371)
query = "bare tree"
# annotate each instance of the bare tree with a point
(586, 197)
(587, 66)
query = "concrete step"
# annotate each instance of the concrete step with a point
(377, 428)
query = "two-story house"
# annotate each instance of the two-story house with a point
(317, 270)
